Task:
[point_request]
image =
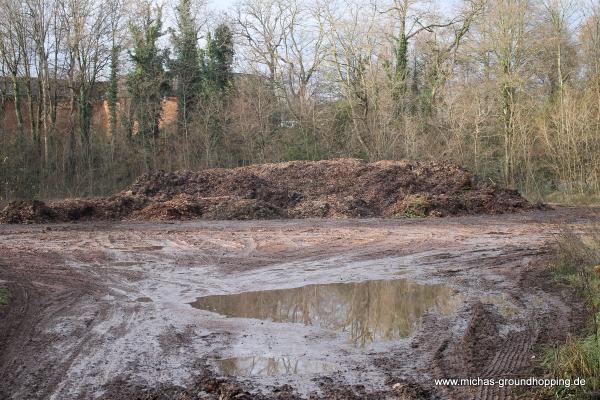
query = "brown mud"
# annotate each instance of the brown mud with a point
(343, 188)
(104, 309)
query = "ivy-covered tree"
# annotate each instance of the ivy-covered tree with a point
(112, 92)
(215, 65)
(185, 67)
(217, 59)
(147, 82)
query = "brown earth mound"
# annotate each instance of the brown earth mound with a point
(340, 188)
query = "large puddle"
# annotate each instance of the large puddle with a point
(270, 366)
(365, 311)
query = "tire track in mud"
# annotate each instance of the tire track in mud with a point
(509, 360)
(512, 355)
(482, 352)
(43, 293)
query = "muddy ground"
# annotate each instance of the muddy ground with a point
(102, 310)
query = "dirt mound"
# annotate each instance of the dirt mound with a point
(27, 211)
(342, 188)
(184, 206)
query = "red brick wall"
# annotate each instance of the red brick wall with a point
(100, 115)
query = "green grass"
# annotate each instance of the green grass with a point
(3, 297)
(576, 263)
(577, 358)
(416, 207)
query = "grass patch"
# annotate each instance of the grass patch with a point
(577, 263)
(577, 358)
(3, 297)
(415, 206)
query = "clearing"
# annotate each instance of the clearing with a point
(354, 308)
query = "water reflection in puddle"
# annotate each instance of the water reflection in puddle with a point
(366, 311)
(270, 366)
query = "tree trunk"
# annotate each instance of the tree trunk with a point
(17, 103)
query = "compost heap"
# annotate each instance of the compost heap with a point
(341, 188)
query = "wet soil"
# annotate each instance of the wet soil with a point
(342, 188)
(105, 310)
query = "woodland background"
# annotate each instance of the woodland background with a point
(508, 88)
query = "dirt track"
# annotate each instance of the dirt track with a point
(104, 309)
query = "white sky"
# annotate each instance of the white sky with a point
(221, 5)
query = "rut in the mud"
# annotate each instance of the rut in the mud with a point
(298, 189)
